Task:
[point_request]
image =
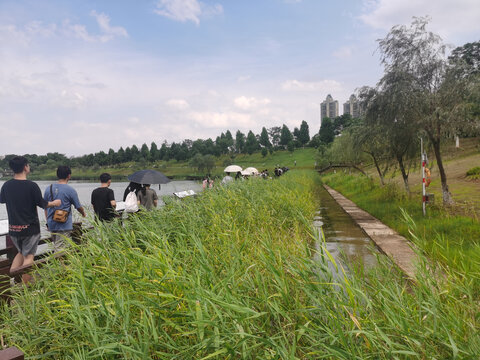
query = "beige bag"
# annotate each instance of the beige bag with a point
(59, 215)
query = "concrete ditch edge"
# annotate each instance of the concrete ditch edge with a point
(395, 246)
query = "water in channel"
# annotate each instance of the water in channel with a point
(344, 240)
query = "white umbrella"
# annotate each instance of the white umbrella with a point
(232, 169)
(250, 171)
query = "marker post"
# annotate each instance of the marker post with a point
(424, 194)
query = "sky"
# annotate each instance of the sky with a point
(78, 77)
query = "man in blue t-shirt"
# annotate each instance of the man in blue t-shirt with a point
(61, 190)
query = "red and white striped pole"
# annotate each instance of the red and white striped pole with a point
(424, 194)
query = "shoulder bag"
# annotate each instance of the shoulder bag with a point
(59, 215)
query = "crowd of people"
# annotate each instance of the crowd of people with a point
(22, 197)
(264, 174)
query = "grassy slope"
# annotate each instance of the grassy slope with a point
(305, 160)
(457, 162)
(229, 275)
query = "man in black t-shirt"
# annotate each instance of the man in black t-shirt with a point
(22, 197)
(103, 199)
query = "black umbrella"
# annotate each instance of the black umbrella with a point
(148, 177)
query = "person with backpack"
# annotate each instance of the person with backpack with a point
(133, 186)
(59, 219)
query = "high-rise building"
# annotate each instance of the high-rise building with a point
(352, 107)
(329, 108)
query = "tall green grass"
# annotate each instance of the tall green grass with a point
(231, 275)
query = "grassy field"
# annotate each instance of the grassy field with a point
(305, 159)
(230, 275)
(465, 191)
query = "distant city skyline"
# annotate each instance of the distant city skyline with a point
(80, 77)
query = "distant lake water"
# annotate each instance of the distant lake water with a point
(84, 190)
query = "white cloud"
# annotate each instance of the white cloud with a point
(186, 10)
(245, 103)
(109, 31)
(243, 78)
(344, 52)
(94, 128)
(11, 34)
(133, 120)
(179, 104)
(222, 120)
(12, 124)
(312, 86)
(39, 29)
(449, 17)
(213, 93)
(71, 99)
(36, 29)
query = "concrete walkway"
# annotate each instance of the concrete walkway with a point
(387, 240)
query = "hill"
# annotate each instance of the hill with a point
(305, 159)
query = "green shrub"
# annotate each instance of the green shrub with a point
(474, 173)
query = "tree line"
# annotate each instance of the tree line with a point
(196, 151)
(422, 94)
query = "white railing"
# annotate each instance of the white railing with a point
(3, 227)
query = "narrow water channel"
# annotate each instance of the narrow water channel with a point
(345, 241)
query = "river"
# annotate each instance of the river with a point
(84, 190)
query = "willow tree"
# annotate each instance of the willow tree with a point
(418, 55)
(463, 79)
(390, 121)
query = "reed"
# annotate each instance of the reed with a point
(228, 275)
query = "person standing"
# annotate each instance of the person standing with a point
(131, 187)
(147, 197)
(61, 190)
(227, 178)
(22, 197)
(103, 199)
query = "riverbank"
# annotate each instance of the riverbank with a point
(183, 170)
(231, 274)
(445, 235)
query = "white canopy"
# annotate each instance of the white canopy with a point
(232, 169)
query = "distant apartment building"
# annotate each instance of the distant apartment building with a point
(352, 107)
(329, 108)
